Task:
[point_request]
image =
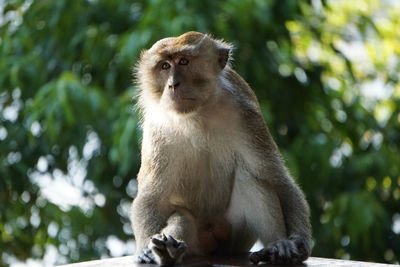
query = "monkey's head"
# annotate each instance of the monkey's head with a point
(181, 73)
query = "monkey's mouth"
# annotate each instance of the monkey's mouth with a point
(179, 98)
(185, 98)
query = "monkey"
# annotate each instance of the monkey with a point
(212, 180)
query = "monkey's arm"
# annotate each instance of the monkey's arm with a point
(164, 232)
(146, 219)
(294, 207)
(162, 239)
(297, 247)
(293, 204)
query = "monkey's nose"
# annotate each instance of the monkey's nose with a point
(174, 85)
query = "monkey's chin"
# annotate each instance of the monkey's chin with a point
(184, 106)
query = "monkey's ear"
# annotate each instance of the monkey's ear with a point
(223, 56)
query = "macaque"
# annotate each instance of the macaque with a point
(212, 180)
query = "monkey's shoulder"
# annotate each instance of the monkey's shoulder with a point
(240, 88)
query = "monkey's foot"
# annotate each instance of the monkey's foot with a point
(295, 250)
(145, 256)
(165, 250)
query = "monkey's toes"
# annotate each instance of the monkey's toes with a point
(145, 256)
(255, 258)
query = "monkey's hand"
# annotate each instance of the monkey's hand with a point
(163, 250)
(295, 250)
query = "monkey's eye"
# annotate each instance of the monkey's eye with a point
(165, 66)
(183, 61)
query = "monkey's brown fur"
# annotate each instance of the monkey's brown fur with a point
(212, 179)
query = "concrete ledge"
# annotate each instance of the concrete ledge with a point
(128, 261)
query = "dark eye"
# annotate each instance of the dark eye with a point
(183, 61)
(165, 66)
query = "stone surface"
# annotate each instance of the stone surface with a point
(236, 261)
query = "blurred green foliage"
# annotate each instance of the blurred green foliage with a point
(326, 74)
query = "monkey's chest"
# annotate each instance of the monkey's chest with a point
(202, 180)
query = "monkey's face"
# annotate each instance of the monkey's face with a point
(180, 74)
(183, 86)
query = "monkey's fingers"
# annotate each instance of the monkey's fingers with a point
(166, 249)
(302, 245)
(163, 258)
(159, 241)
(284, 252)
(171, 242)
(175, 248)
(279, 252)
